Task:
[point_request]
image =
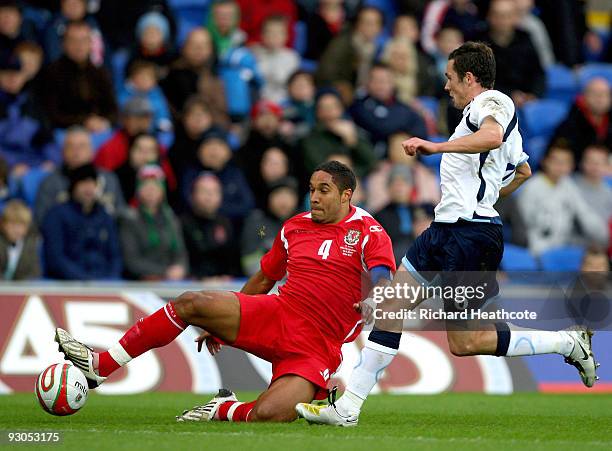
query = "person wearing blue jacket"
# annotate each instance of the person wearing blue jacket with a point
(80, 237)
(378, 111)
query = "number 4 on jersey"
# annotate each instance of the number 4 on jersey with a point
(324, 249)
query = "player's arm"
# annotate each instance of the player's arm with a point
(523, 172)
(489, 136)
(258, 283)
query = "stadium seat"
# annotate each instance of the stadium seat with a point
(27, 185)
(566, 258)
(593, 70)
(535, 148)
(541, 117)
(561, 83)
(300, 42)
(517, 258)
(188, 14)
(119, 60)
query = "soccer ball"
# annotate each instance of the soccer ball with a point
(61, 389)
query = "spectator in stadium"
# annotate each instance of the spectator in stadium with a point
(136, 117)
(401, 57)
(5, 193)
(31, 57)
(460, 14)
(237, 66)
(265, 133)
(595, 260)
(396, 217)
(26, 137)
(71, 11)
(144, 150)
(73, 90)
(274, 166)
(76, 152)
(335, 134)
(14, 28)
(426, 186)
(552, 205)
(19, 243)
(275, 60)
(254, 14)
(196, 122)
(195, 71)
(534, 27)
(118, 19)
(406, 27)
(346, 61)
(79, 237)
(153, 43)
(588, 121)
(209, 235)
(299, 108)
(151, 236)
(142, 82)
(447, 40)
(214, 155)
(590, 180)
(261, 226)
(380, 113)
(519, 72)
(323, 25)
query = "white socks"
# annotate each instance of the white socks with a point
(374, 359)
(531, 342)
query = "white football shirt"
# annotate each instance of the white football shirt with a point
(470, 183)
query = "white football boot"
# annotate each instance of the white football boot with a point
(80, 355)
(326, 414)
(207, 411)
(582, 357)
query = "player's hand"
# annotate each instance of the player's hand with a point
(212, 344)
(413, 146)
(365, 310)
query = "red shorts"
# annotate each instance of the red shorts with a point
(293, 344)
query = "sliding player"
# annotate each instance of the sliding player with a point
(325, 254)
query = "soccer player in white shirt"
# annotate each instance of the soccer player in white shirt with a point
(482, 160)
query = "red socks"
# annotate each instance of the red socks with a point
(235, 411)
(154, 331)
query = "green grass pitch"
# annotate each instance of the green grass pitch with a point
(449, 421)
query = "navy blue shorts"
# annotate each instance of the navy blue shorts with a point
(463, 253)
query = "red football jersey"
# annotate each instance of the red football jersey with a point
(325, 266)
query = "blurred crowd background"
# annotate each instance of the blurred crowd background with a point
(170, 139)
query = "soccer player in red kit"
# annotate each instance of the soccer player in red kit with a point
(325, 254)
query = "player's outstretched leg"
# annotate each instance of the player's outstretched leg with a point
(276, 404)
(506, 339)
(216, 311)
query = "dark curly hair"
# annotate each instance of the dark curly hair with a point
(341, 174)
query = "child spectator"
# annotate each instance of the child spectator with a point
(142, 82)
(209, 236)
(299, 108)
(153, 42)
(253, 14)
(262, 226)
(151, 237)
(214, 155)
(18, 243)
(196, 122)
(80, 238)
(276, 61)
(401, 57)
(14, 28)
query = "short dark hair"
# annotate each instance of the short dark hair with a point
(477, 58)
(558, 145)
(341, 174)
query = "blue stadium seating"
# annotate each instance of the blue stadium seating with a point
(541, 117)
(561, 83)
(300, 42)
(535, 148)
(592, 70)
(566, 258)
(517, 258)
(26, 187)
(188, 14)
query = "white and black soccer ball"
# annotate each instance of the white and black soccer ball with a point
(61, 389)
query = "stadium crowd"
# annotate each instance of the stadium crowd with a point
(170, 139)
